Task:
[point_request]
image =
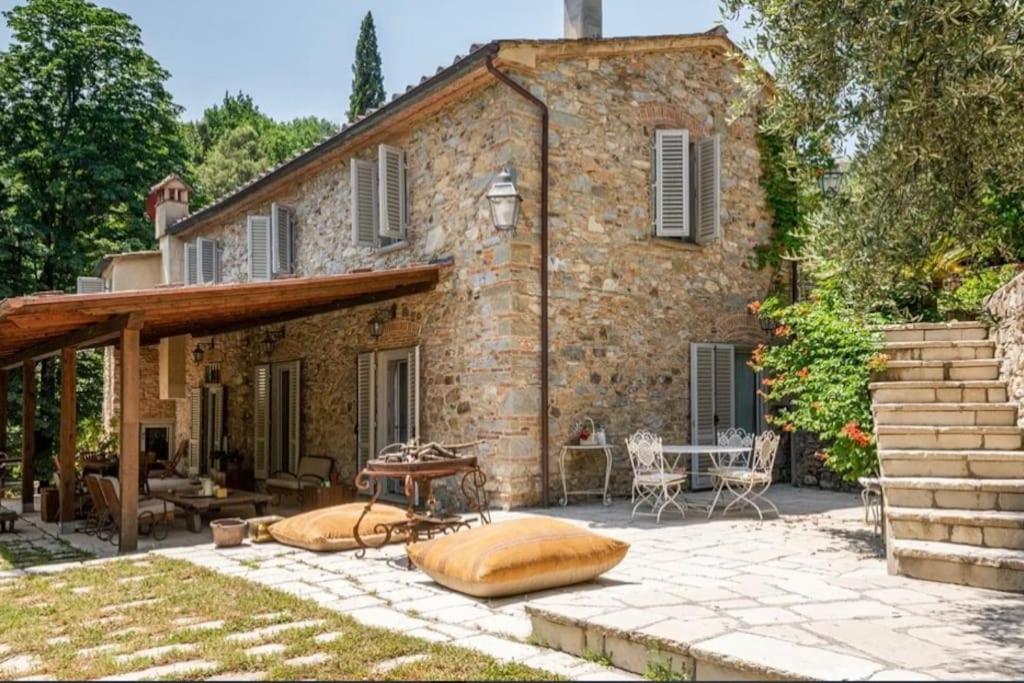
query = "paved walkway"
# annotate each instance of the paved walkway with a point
(806, 595)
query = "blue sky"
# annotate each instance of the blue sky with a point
(294, 57)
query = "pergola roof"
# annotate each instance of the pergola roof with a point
(34, 327)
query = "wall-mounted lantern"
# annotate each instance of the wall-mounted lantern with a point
(504, 200)
(269, 340)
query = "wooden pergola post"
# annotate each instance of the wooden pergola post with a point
(3, 411)
(68, 423)
(129, 462)
(28, 435)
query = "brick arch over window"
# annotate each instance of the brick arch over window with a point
(664, 115)
(737, 328)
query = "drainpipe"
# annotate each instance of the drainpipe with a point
(544, 336)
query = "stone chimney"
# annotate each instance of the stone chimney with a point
(166, 204)
(582, 19)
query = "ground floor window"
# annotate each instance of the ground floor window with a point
(277, 418)
(388, 407)
(723, 395)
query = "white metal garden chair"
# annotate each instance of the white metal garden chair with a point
(654, 483)
(748, 483)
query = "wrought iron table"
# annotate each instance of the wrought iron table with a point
(418, 477)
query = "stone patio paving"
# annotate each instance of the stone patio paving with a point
(804, 596)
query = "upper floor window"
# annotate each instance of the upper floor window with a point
(380, 198)
(202, 265)
(687, 186)
(271, 243)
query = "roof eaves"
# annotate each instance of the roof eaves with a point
(367, 122)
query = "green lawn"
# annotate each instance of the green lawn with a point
(53, 618)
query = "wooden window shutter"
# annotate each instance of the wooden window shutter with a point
(90, 285)
(413, 368)
(218, 274)
(207, 251)
(671, 183)
(195, 433)
(391, 188)
(366, 377)
(215, 394)
(261, 420)
(282, 238)
(365, 204)
(709, 189)
(191, 274)
(712, 402)
(294, 414)
(259, 247)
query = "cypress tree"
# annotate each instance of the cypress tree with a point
(367, 80)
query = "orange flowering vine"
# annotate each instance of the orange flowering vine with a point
(853, 432)
(783, 331)
(754, 307)
(803, 373)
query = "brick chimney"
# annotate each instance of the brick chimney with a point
(582, 19)
(166, 204)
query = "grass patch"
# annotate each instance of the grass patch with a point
(17, 552)
(93, 606)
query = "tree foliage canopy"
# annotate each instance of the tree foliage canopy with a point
(367, 78)
(86, 126)
(929, 97)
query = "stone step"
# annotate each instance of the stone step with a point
(940, 370)
(979, 464)
(987, 528)
(994, 568)
(939, 391)
(998, 414)
(950, 493)
(941, 350)
(948, 438)
(951, 331)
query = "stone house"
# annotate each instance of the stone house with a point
(652, 211)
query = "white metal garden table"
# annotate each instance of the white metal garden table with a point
(694, 450)
(608, 451)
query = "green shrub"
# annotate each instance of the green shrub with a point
(968, 299)
(818, 374)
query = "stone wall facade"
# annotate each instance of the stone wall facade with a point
(1006, 306)
(624, 305)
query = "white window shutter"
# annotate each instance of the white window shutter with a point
(391, 187)
(90, 285)
(709, 189)
(366, 374)
(294, 415)
(261, 420)
(259, 247)
(413, 368)
(195, 433)
(712, 402)
(218, 275)
(207, 252)
(282, 238)
(671, 183)
(191, 264)
(365, 206)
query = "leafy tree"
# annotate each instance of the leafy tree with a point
(234, 141)
(367, 81)
(234, 159)
(929, 97)
(86, 126)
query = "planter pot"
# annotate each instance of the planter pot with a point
(228, 532)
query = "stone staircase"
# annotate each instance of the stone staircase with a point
(951, 456)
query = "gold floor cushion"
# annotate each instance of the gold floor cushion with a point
(330, 529)
(518, 556)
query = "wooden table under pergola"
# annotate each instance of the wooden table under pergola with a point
(44, 325)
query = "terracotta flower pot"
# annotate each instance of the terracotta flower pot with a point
(228, 532)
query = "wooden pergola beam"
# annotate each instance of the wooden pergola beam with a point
(28, 435)
(94, 335)
(128, 473)
(68, 424)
